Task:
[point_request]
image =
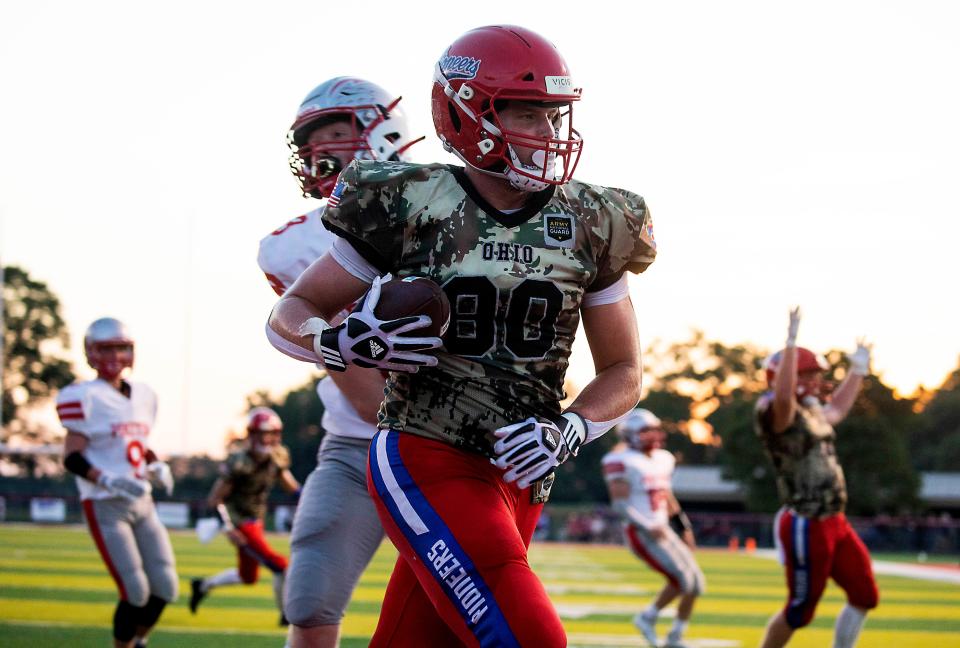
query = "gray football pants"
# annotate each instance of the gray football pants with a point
(670, 556)
(336, 531)
(135, 547)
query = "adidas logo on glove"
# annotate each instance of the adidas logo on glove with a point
(375, 349)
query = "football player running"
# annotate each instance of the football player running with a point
(638, 476)
(108, 422)
(247, 477)
(467, 446)
(815, 539)
(336, 529)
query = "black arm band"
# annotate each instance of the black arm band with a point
(680, 522)
(77, 464)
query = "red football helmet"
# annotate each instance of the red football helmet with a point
(807, 360)
(102, 335)
(476, 76)
(642, 430)
(263, 419)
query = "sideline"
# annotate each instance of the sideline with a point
(891, 568)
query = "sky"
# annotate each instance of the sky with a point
(790, 153)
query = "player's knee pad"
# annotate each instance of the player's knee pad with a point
(137, 590)
(166, 585)
(694, 585)
(867, 599)
(149, 613)
(691, 587)
(799, 616)
(311, 611)
(125, 620)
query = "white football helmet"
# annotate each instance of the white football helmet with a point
(376, 117)
(108, 332)
(641, 430)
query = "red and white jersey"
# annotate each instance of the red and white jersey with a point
(117, 428)
(649, 478)
(284, 254)
(287, 251)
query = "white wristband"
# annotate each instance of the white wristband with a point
(286, 347)
(314, 326)
(596, 429)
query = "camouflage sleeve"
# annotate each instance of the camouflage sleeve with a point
(763, 414)
(237, 465)
(631, 246)
(362, 212)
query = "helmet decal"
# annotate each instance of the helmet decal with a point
(459, 67)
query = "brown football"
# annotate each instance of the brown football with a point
(412, 296)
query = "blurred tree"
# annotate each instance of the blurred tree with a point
(35, 338)
(935, 439)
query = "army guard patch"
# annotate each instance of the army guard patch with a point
(540, 489)
(558, 230)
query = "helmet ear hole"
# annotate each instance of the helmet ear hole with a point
(454, 117)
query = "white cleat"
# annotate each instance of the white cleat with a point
(674, 641)
(647, 628)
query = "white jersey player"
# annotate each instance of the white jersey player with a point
(336, 529)
(108, 423)
(638, 474)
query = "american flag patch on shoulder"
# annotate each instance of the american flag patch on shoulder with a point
(334, 198)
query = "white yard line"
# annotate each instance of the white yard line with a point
(890, 568)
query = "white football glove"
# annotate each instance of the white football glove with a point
(532, 449)
(207, 529)
(793, 327)
(160, 470)
(860, 359)
(126, 487)
(366, 341)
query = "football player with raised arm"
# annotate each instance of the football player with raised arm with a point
(467, 446)
(247, 476)
(638, 475)
(108, 422)
(815, 539)
(336, 529)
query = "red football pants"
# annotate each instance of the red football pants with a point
(462, 578)
(817, 549)
(257, 552)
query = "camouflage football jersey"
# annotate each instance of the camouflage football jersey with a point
(804, 457)
(515, 283)
(250, 481)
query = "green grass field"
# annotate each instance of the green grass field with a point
(54, 591)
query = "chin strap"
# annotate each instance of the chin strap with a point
(526, 183)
